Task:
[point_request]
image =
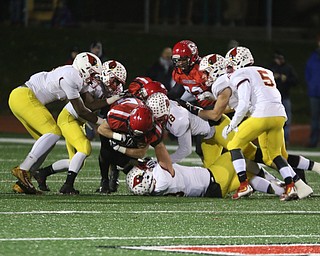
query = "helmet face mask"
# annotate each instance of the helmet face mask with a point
(238, 57)
(113, 76)
(160, 105)
(213, 65)
(88, 65)
(140, 182)
(185, 55)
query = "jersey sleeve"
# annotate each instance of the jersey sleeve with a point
(71, 84)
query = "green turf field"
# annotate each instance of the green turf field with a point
(91, 224)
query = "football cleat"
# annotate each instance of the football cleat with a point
(104, 187)
(19, 188)
(244, 190)
(290, 193)
(25, 178)
(42, 180)
(68, 189)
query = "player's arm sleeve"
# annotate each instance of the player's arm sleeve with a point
(184, 147)
(70, 88)
(243, 104)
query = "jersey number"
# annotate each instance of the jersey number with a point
(265, 76)
(171, 119)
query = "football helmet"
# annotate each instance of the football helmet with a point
(89, 66)
(140, 182)
(160, 106)
(185, 55)
(113, 76)
(238, 57)
(214, 65)
(140, 120)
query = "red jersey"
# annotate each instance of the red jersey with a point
(192, 82)
(119, 113)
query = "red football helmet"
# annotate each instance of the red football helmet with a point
(185, 54)
(143, 87)
(140, 120)
(138, 83)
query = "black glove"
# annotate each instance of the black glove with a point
(127, 140)
(191, 108)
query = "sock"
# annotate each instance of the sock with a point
(71, 178)
(40, 147)
(277, 189)
(299, 162)
(77, 162)
(239, 164)
(285, 170)
(259, 184)
(60, 165)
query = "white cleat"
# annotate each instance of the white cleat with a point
(303, 190)
(316, 167)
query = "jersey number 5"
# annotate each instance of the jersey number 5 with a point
(265, 76)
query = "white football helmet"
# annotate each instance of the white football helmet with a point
(88, 64)
(160, 106)
(140, 182)
(238, 57)
(113, 76)
(214, 65)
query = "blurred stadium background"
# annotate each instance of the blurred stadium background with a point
(38, 35)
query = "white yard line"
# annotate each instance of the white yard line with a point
(151, 237)
(164, 212)
(96, 144)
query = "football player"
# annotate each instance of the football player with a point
(216, 181)
(108, 90)
(258, 98)
(131, 126)
(27, 102)
(213, 65)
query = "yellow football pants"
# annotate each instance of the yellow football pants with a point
(268, 130)
(212, 147)
(76, 140)
(224, 174)
(34, 116)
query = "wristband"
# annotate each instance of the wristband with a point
(100, 120)
(122, 150)
(116, 136)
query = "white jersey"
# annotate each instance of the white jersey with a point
(59, 84)
(222, 83)
(183, 125)
(188, 181)
(262, 93)
(258, 95)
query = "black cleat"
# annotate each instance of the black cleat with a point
(104, 187)
(67, 189)
(42, 180)
(114, 179)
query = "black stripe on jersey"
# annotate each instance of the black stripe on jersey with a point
(246, 79)
(117, 118)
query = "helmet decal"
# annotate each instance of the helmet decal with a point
(137, 180)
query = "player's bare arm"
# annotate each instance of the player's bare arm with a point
(163, 157)
(219, 108)
(83, 111)
(92, 103)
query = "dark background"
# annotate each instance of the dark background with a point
(43, 44)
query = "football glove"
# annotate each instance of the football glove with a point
(204, 96)
(227, 129)
(191, 108)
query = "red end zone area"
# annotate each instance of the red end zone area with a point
(288, 249)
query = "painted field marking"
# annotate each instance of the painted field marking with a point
(152, 237)
(51, 212)
(266, 249)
